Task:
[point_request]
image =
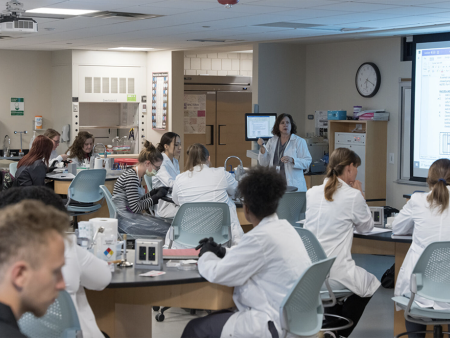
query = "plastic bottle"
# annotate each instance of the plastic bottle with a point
(115, 144)
(32, 139)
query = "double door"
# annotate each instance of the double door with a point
(225, 126)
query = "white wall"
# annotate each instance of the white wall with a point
(280, 85)
(330, 85)
(172, 62)
(218, 64)
(25, 74)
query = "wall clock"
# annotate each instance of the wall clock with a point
(368, 79)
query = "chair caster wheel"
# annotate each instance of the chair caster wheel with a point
(156, 308)
(159, 317)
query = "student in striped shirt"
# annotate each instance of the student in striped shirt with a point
(131, 200)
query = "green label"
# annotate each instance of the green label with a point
(17, 106)
(131, 98)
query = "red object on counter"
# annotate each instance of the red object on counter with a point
(127, 161)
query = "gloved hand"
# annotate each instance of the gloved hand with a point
(208, 244)
(156, 194)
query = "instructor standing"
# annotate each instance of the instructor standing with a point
(287, 152)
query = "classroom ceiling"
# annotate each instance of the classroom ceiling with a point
(249, 21)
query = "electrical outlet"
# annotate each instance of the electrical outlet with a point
(75, 108)
(391, 158)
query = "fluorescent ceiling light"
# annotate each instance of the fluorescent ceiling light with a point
(243, 51)
(61, 11)
(137, 49)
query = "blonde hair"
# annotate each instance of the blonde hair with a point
(438, 179)
(339, 159)
(197, 155)
(150, 153)
(25, 228)
(51, 133)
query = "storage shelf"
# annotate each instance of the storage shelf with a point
(108, 127)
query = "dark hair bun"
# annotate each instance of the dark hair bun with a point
(149, 146)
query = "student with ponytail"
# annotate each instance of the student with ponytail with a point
(427, 217)
(333, 210)
(131, 200)
(170, 148)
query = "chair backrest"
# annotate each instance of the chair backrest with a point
(13, 168)
(148, 182)
(301, 311)
(431, 275)
(85, 187)
(195, 221)
(111, 206)
(291, 206)
(312, 245)
(60, 321)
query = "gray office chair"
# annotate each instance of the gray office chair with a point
(329, 297)
(60, 321)
(292, 207)
(430, 279)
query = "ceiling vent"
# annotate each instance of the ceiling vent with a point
(293, 25)
(215, 40)
(122, 15)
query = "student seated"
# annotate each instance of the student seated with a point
(81, 148)
(170, 148)
(131, 200)
(32, 168)
(427, 217)
(262, 269)
(31, 260)
(200, 183)
(333, 210)
(53, 135)
(81, 269)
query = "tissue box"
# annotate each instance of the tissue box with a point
(337, 115)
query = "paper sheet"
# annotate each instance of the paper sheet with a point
(374, 231)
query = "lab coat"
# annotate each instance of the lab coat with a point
(427, 226)
(333, 224)
(205, 184)
(263, 268)
(165, 178)
(84, 270)
(55, 157)
(298, 150)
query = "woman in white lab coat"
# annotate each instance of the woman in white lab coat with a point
(53, 135)
(286, 152)
(170, 148)
(427, 217)
(81, 149)
(200, 183)
(81, 269)
(333, 210)
(262, 268)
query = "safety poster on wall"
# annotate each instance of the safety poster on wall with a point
(160, 95)
(194, 114)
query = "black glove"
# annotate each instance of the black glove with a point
(156, 194)
(208, 244)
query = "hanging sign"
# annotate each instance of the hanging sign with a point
(17, 106)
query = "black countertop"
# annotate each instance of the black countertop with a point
(129, 277)
(384, 237)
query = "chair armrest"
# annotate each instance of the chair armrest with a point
(416, 281)
(176, 231)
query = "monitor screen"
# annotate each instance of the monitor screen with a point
(259, 126)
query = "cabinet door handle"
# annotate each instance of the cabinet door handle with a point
(220, 143)
(212, 135)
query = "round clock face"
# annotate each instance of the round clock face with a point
(368, 79)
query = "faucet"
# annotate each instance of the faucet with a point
(225, 164)
(21, 132)
(7, 147)
(239, 170)
(104, 148)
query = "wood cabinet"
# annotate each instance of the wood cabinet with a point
(375, 155)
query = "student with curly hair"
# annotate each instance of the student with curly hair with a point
(262, 269)
(81, 148)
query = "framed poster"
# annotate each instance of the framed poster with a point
(160, 100)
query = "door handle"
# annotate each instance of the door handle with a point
(221, 144)
(212, 135)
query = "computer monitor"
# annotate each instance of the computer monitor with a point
(259, 126)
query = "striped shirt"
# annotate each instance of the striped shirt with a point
(126, 192)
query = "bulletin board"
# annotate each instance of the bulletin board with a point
(160, 100)
(195, 114)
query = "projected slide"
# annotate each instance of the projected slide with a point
(431, 105)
